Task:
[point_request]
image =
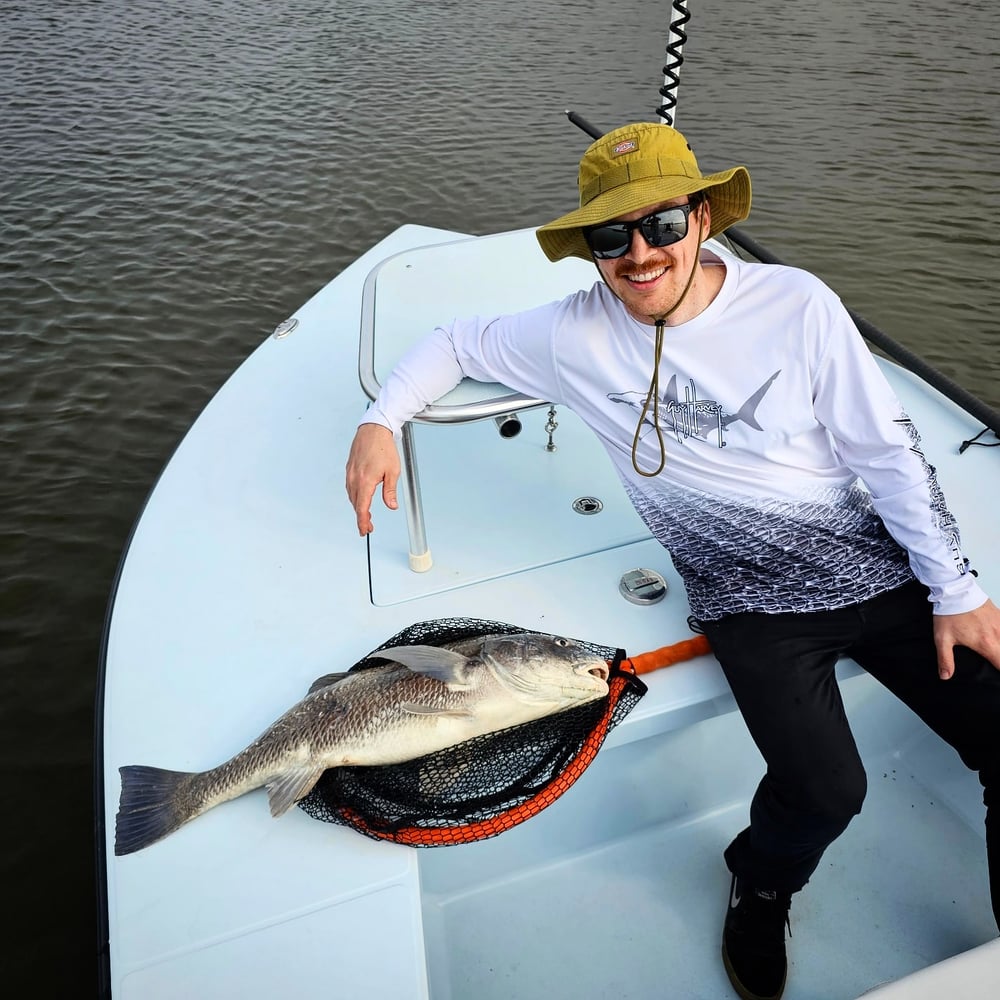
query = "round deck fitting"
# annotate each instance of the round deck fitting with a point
(642, 586)
(587, 505)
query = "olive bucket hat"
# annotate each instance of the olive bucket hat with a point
(636, 166)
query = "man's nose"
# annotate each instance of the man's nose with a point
(643, 243)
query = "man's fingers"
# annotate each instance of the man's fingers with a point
(978, 630)
(363, 508)
(389, 497)
(945, 646)
(946, 666)
(365, 524)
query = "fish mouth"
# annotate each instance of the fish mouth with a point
(599, 670)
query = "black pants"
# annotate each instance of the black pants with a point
(781, 670)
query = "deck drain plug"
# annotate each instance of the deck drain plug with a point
(587, 505)
(642, 586)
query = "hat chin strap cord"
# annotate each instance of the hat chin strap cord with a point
(653, 396)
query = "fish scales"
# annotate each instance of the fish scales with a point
(425, 699)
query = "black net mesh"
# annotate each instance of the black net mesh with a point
(480, 787)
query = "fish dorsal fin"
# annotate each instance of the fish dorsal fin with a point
(327, 680)
(295, 784)
(443, 664)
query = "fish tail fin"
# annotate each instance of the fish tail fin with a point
(748, 411)
(152, 805)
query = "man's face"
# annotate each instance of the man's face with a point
(649, 280)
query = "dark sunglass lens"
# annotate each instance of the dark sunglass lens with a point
(663, 228)
(609, 241)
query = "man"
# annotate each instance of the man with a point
(754, 485)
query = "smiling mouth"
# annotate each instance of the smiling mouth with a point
(644, 277)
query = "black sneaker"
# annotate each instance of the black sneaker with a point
(753, 941)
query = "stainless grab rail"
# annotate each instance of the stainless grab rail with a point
(492, 405)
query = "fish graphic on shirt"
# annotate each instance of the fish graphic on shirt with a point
(694, 417)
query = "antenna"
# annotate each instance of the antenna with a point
(676, 38)
(671, 71)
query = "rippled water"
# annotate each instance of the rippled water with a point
(177, 178)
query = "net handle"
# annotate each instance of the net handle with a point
(686, 649)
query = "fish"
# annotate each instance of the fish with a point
(423, 699)
(694, 417)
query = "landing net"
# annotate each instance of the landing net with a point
(481, 787)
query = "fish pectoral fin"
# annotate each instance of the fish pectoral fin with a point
(284, 792)
(414, 708)
(327, 680)
(443, 664)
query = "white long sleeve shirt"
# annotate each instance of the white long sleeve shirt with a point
(788, 456)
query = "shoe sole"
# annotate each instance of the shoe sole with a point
(744, 993)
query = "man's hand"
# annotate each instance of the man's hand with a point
(373, 460)
(979, 630)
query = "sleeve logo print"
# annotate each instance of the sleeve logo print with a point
(941, 517)
(694, 417)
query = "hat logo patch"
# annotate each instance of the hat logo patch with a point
(625, 146)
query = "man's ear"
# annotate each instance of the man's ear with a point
(705, 216)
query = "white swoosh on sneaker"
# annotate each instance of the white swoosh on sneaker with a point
(734, 899)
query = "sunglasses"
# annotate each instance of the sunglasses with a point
(660, 229)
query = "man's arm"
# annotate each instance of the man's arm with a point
(513, 350)
(879, 442)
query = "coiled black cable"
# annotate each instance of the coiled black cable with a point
(676, 37)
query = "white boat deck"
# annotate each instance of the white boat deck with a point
(245, 580)
(629, 904)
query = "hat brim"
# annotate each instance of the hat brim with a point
(728, 193)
